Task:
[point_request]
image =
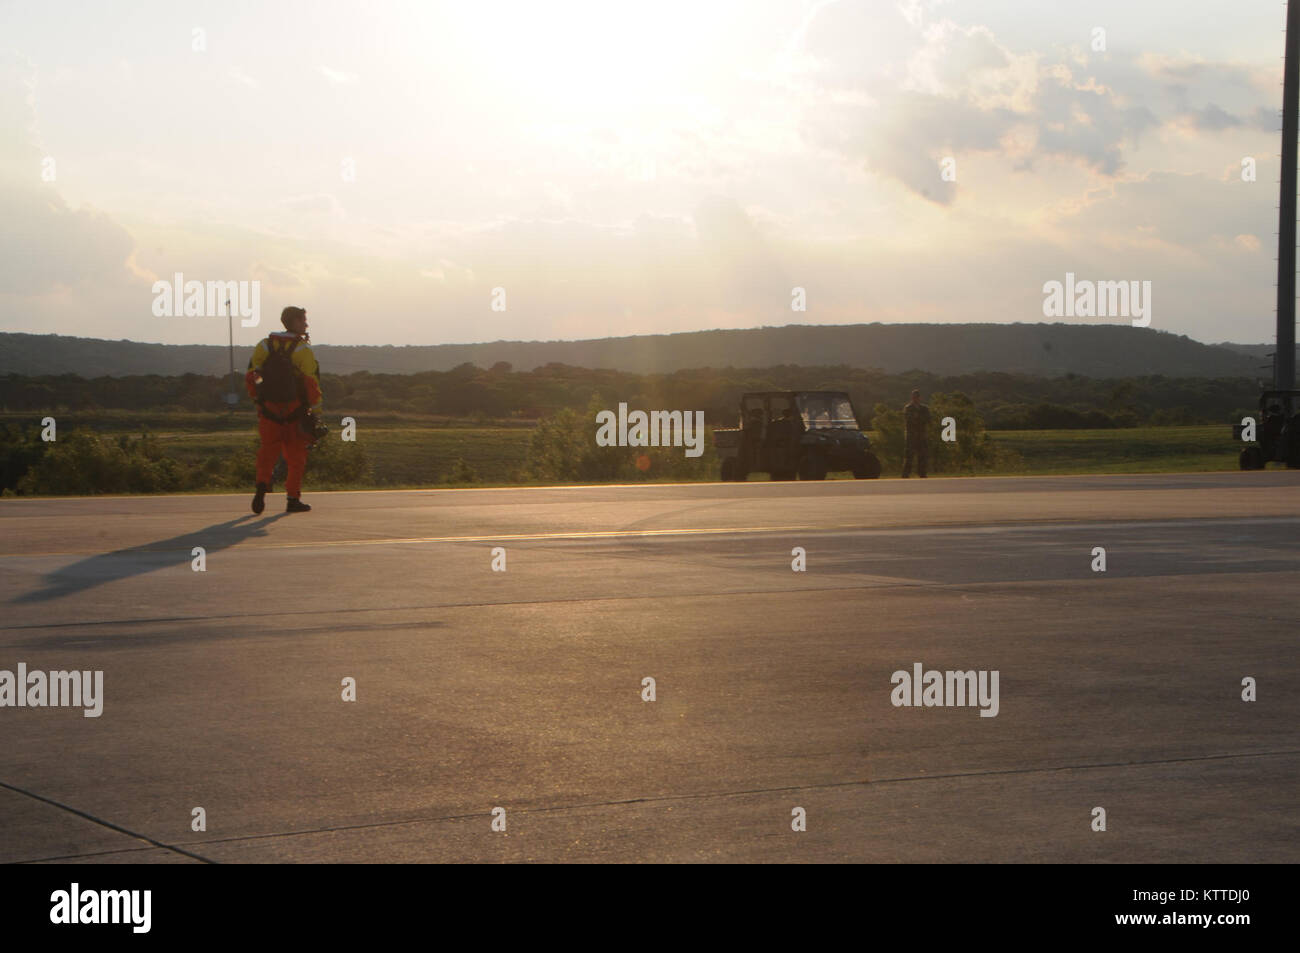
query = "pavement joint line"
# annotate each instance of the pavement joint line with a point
(996, 526)
(103, 823)
(93, 853)
(620, 802)
(396, 540)
(874, 587)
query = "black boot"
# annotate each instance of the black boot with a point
(297, 506)
(259, 498)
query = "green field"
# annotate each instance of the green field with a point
(1137, 450)
(419, 455)
(406, 451)
(409, 456)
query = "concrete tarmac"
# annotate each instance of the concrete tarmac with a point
(522, 689)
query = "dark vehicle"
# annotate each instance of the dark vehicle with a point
(1277, 432)
(804, 433)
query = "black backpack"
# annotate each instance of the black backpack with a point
(281, 383)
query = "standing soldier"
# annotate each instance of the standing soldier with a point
(916, 435)
(284, 381)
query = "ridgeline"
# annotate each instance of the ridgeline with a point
(1046, 350)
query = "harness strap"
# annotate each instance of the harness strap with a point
(297, 414)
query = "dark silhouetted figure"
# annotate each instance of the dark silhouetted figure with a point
(284, 381)
(916, 436)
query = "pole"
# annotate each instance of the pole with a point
(1284, 362)
(230, 328)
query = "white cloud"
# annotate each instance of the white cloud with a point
(46, 246)
(821, 170)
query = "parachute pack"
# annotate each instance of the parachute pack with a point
(280, 383)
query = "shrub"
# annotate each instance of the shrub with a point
(20, 450)
(972, 451)
(461, 472)
(335, 462)
(84, 463)
(563, 449)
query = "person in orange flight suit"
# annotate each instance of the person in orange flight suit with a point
(284, 381)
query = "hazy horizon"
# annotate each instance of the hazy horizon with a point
(249, 338)
(626, 169)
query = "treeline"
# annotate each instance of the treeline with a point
(1094, 350)
(1005, 401)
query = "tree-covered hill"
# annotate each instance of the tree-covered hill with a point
(1047, 350)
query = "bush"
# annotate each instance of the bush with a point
(335, 462)
(556, 448)
(240, 470)
(971, 452)
(563, 449)
(20, 450)
(83, 463)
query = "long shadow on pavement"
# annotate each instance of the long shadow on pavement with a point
(137, 560)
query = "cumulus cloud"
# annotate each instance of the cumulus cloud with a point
(46, 246)
(1085, 122)
(935, 88)
(1213, 118)
(703, 210)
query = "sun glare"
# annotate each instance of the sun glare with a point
(584, 55)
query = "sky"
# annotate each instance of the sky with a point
(426, 173)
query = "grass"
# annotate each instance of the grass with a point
(1183, 449)
(404, 449)
(398, 456)
(412, 451)
(420, 455)
(1137, 450)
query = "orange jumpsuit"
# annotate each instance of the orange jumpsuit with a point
(284, 438)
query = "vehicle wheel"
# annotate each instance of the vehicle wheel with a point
(1293, 444)
(812, 467)
(869, 468)
(1252, 458)
(729, 470)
